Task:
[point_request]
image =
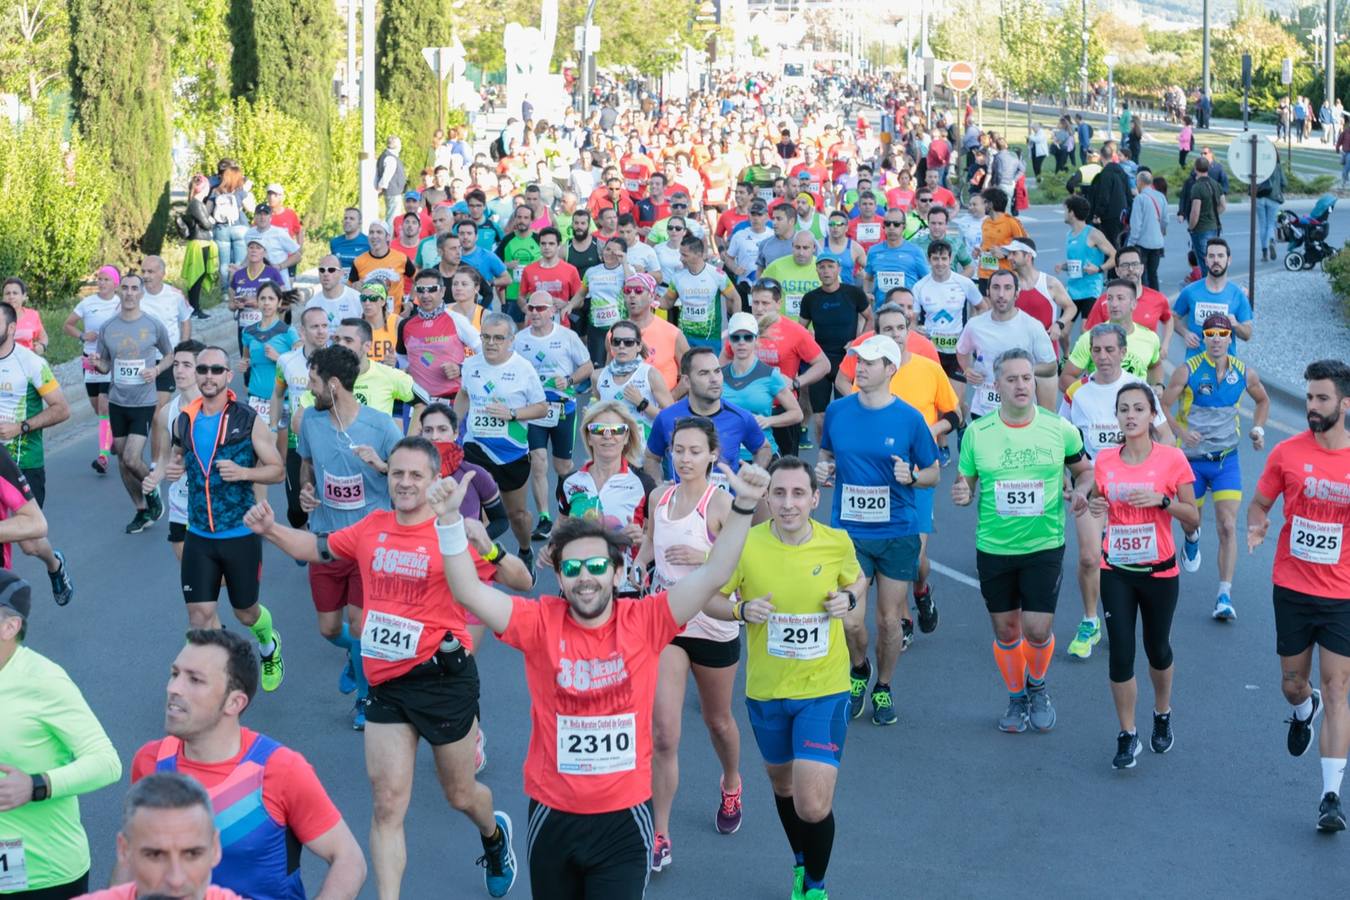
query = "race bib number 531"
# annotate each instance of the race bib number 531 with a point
(1019, 498)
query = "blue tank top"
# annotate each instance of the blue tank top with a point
(845, 258)
(1077, 250)
(216, 507)
(260, 859)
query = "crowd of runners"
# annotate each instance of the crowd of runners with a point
(643, 378)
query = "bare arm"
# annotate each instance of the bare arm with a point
(490, 605)
(346, 863)
(819, 368)
(24, 524)
(297, 544)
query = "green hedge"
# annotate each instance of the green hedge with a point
(1338, 271)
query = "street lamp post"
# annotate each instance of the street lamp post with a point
(1110, 60)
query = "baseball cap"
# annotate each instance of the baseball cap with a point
(258, 241)
(642, 280)
(263, 208)
(1217, 320)
(743, 321)
(412, 195)
(878, 346)
(277, 189)
(826, 259)
(807, 194)
(14, 593)
(758, 207)
(1023, 245)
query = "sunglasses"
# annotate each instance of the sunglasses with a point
(211, 370)
(372, 299)
(1217, 332)
(595, 565)
(674, 228)
(427, 288)
(679, 206)
(601, 429)
(624, 342)
(924, 199)
(328, 270)
(633, 291)
(768, 283)
(741, 337)
(890, 224)
(539, 308)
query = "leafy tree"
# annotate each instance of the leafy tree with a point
(34, 47)
(120, 87)
(201, 61)
(404, 79)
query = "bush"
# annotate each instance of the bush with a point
(1051, 186)
(51, 208)
(269, 146)
(1338, 271)
(1315, 186)
(345, 161)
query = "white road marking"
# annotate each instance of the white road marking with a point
(953, 574)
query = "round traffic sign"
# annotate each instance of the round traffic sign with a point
(1240, 154)
(961, 76)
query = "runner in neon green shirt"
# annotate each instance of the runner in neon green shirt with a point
(52, 749)
(795, 273)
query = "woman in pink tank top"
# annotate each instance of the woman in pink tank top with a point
(685, 521)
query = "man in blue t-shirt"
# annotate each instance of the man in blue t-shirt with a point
(876, 449)
(352, 242)
(736, 428)
(1215, 295)
(483, 260)
(893, 263)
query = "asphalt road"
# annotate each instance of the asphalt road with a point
(942, 805)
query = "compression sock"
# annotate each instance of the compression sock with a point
(1332, 770)
(262, 632)
(1038, 657)
(1012, 665)
(342, 639)
(105, 438)
(818, 838)
(793, 826)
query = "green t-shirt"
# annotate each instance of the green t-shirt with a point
(960, 252)
(1143, 349)
(520, 252)
(762, 178)
(1207, 191)
(1020, 472)
(796, 280)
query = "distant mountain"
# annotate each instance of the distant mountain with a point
(1183, 12)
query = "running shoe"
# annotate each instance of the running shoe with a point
(906, 633)
(660, 853)
(799, 883)
(805, 443)
(154, 505)
(1301, 731)
(1127, 748)
(1017, 717)
(1223, 609)
(347, 678)
(729, 811)
(928, 611)
(273, 667)
(100, 464)
(63, 589)
(944, 456)
(1089, 634)
(480, 752)
(1042, 711)
(1190, 551)
(359, 716)
(857, 689)
(140, 522)
(1162, 738)
(526, 555)
(816, 894)
(883, 707)
(542, 529)
(1330, 817)
(499, 862)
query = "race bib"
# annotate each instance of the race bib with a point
(515, 273)
(1132, 545)
(597, 745)
(793, 305)
(1073, 268)
(695, 311)
(799, 636)
(945, 343)
(1204, 310)
(765, 194)
(988, 261)
(484, 425)
(128, 371)
(260, 405)
(551, 419)
(630, 185)
(865, 503)
(1315, 542)
(344, 491)
(1019, 498)
(604, 316)
(1106, 434)
(719, 480)
(13, 868)
(248, 316)
(389, 637)
(990, 396)
(887, 281)
(869, 231)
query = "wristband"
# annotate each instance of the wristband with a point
(496, 553)
(736, 614)
(744, 512)
(452, 538)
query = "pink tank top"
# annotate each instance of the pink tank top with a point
(690, 530)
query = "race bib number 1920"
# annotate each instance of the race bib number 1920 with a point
(865, 503)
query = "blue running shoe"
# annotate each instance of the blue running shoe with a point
(347, 678)
(944, 457)
(1223, 609)
(1190, 551)
(499, 862)
(359, 716)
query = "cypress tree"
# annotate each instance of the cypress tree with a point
(404, 79)
(121, 89)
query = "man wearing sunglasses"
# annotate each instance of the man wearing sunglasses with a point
(591, 663)
(680, 205)
(665, 343)
(894, 262)
(1209, 388)
(337, 299)
(655, 206)
(433, 342)
(1150, 306)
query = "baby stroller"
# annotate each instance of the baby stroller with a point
(1306, 235)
